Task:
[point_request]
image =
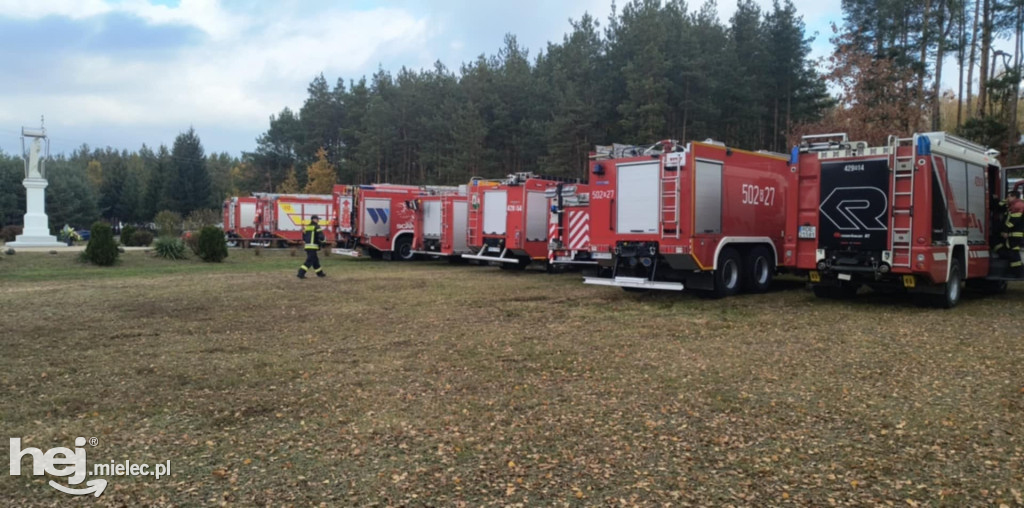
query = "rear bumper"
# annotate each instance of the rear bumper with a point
(634, 282)
(355, 253)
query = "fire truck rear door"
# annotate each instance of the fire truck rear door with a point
(637, 201)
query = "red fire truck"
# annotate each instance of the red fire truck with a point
(916, 214)
(440, 225)
(378, 219)
(240, 218)
(569, 226)
(275, 219)
(702, 216)
(508, 220)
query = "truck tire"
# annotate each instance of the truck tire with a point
(265, 242)
(728, 276)
(403, 249)
(758, 270)
(953, 288)
(231, 240)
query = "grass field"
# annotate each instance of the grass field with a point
(392, 384)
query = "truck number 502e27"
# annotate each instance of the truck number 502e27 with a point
(757, 195)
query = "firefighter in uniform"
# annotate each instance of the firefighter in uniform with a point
(1015, 232)
(312, 237)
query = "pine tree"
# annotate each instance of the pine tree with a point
(191, 182)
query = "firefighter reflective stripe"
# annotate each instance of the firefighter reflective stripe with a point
(309, 237)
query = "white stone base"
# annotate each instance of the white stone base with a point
(36, 231)
(35, 241)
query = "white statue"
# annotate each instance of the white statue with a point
(33, 159)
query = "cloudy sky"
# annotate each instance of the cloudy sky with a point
(122, 73)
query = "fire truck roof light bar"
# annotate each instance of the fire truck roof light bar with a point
(634, 282)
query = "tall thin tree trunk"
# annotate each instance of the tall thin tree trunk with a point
(1018, 28)
(960, 64)
(970, 67)
(986, 43)
(945, 26)
(925, 32)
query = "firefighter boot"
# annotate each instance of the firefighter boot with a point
(302, 272)
(320, 273)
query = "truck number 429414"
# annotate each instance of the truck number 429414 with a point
(756, 195)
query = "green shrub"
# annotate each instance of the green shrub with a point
(10, 233)
(142, 238)
(126, 235)
(169, 247)
(198, 219)
(102, 249)
(168, 223)
(212, 246)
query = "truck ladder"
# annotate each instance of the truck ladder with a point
(901, 218)
(670, 201)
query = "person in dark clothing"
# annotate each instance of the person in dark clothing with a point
(1014, 234)
(313, 238)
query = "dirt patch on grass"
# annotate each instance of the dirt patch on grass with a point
(427, 384)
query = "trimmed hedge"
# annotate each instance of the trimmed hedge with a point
(102, 249)
(212, 246)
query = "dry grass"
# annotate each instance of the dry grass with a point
(428, 384)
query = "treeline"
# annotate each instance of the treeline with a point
(889, 60)
(654, 71)
(121, 186)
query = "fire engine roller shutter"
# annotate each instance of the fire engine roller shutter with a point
(459, 221)
(376, 214)
(495, 211)
(637, 201)
(432, 219)
(247, 215)
(854, 210)
(536, 216)
(707, 201)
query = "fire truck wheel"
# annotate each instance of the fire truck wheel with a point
(758, 270)
(728, 276)
(954, 285)
(265, 243)
(403, 249)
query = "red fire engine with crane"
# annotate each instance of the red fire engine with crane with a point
(918, 214)
(440, 224)
(569, 226)
(508, 220)
(377, 219)
(701, 216)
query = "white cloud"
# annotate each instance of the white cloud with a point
(246, 70)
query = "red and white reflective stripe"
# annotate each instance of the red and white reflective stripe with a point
(579, 230)
(552, 235)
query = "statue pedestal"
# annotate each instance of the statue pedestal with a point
(37, 229)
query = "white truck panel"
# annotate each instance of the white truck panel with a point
(636, 205)
(376, 217)
(459, 225)
(536, 216)
(432, 219)
(495, 212)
